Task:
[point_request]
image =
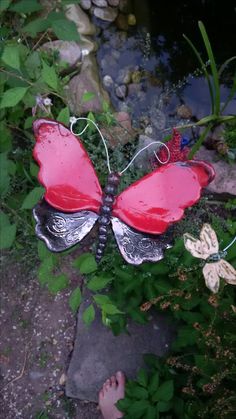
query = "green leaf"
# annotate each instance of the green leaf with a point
(99, 282)
(101, 299)
(88, 315)
(58, 283)
(4, 4)
(140, 392)
(12, 96)
(142, 377)
(164, 406)
(43, 252)
(151, 413)
(186, 336)
(35, 26)
(49, 76)
(110, 309)
(34, 169)
(138, 408)
(45, 269)
(26, 6)
(85, 263)
(5, 138)
(7, 236)
(65, 30)
(87, 96)
(124, 404)
(64, 116)
(32, 198)
(75, 299)
(165, 392)
(11, 56)
(153, 383)
(4, 220)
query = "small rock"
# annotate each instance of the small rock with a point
(62, 379)
(124, 6)
(143, 159)
(158, 119)
(113, 3)
(134, 89)
(108, 14)
(80, 18)
(85, 4)
(70, 52)
(225, 179)
(121, 133)
(184, 112)
(107, 81)
(148, 130)
(121, 91)
(86, 81)
(131, 20)
(124, 76)
(136, 76)
(122, 22)
(100, 3)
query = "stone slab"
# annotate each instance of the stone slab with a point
(98, 353)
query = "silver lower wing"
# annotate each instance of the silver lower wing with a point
(61, 230)
(137, 247)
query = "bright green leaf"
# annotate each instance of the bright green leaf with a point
(88, 315)
(43, 252)
(49, 76)
(110, 309)
(11, 56)
(87, 96)
(64, 116)
(26, 6)
(85, 263)
(35, 26)
(99, 282)
(7, 236)
(58, 283)
(75, 299)
(13, 96)
(45, 269)
(101, 299)
(34, 169)
(32, 198)
(65, 30)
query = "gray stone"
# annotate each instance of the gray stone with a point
(124, 76)
(98, 353)
(100, 3)
(85, 4)
(121, 91)
(158, 119)
(113, 3)
(225, 179)
(108, 14)
(143, 159)
(81, 19)
(70, 52)
(86, 81)
(107, 81)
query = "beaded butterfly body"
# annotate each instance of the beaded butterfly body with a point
(74, 200)
(207, 248)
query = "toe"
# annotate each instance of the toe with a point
(113, 381)
(120, 376)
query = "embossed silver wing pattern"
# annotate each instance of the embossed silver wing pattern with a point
(137, 247)
(60, 230)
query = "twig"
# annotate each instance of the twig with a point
(21, 373)
(16, 76)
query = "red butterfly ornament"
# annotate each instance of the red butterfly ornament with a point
(74, 200)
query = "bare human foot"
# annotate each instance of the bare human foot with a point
(113, 390)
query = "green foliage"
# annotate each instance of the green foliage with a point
(75, 299)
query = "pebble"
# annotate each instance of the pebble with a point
(108, 14)
(124, 76)
(184, 112)
(121, 91)
(85, 4)
(131, 20)
(113, 3)
(107, 81)
(100, 3)
(122, 22)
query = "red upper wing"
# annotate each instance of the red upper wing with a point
(159, 198)
(66, 171)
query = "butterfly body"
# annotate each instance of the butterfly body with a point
(74, 200)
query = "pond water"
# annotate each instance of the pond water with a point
(150, 70)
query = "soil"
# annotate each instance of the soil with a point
(37, 335)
